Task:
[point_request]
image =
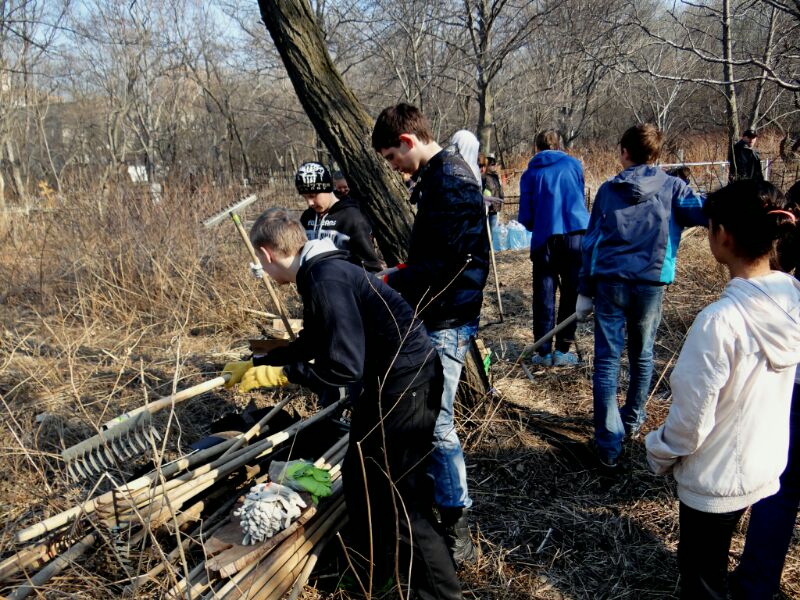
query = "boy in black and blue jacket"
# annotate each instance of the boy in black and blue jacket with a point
(628, 253)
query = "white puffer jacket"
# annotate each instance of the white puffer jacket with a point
(726, 437)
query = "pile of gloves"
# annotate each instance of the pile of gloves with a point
(302, 476)
(268, 508)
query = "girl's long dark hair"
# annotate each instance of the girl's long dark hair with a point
(755, 213)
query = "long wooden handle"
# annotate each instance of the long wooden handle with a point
(157, 405)
(494, 266)
(264, 277)
(535, 345)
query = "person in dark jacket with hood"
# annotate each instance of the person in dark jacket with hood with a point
(552, 206)
(360, 335)
(338, 218)
(443, 279)
(743, 159)
(629, 252)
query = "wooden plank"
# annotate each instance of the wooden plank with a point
(227, 554)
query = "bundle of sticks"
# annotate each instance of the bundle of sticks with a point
(174, 495)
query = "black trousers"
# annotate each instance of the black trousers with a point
(703, 552)
(389, 495)
(556, 264)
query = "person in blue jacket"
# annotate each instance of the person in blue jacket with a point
(552, 207)
(629, 255)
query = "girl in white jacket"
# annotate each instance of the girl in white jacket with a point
(726, 435)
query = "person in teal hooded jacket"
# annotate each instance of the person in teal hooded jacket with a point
(629, 255)
(552, 207)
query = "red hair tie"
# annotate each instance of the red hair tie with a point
(784, 212)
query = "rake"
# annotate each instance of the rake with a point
(232, 212)
(127, 436)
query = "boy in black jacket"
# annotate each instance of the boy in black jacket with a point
(361, 334)
(339, 219)
(443, 278)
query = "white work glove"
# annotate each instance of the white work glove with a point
(583, 307)
(257, 270)
(268, 508)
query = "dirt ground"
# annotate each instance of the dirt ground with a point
(90, 332)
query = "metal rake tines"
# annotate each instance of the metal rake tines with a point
(108, 449)
(226, 212)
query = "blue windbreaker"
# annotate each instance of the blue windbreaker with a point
(635, 227)
(551, 196)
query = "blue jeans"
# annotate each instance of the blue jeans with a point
(621, 306)
(771, 526)
(447, 461)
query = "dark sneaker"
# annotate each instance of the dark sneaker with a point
(608, 463)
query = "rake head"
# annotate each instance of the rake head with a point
(225, 213)
(119, 444)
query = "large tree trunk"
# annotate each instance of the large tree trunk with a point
(340, 121)
(345, 128)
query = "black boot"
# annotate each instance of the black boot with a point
(457, 535)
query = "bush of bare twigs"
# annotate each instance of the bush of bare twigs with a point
(109, 299)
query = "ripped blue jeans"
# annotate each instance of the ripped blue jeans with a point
(447, 461)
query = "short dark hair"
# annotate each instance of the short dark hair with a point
(338, 176)
(397, 120)
(750, 133)
(754, 213)
(277, 230)
(548, 140)
(643, 143)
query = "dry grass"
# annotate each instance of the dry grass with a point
(108, 302)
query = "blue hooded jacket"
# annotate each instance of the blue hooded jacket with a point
(551, 196)
(635, 227)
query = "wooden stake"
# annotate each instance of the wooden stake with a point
(276, 302)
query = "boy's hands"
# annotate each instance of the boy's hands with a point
(236, 369)
(583, 307)
(264, 376)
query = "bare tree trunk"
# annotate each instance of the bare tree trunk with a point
(731, 105)
(485, 117)
(755, 111)
(16, 174)
(340, 121)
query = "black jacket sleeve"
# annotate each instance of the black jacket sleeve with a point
(300, 349)
(427, 274)
(360, 246)
(333, 319)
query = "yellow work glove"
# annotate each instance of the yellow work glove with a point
(237, 369)
(264, 376)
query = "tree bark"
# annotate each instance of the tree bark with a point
(731, 105)
(341, 122)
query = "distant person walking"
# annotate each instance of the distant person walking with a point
(743, 159)
(552, 206)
